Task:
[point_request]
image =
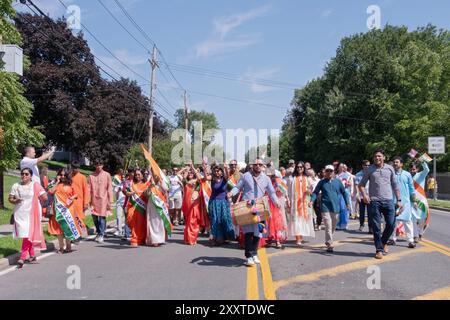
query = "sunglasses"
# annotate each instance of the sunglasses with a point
(233, 165)
(24, 174)
(329, 170)
(300, 167)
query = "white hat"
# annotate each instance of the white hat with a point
(329, 167)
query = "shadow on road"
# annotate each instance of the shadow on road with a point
(345, 254)
(219, 261)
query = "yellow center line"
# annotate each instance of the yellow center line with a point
(434, 247)
(440, 294)
(334, 271)
(252, 283)
(269, 292)
(440, 246)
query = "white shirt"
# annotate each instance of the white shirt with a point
(31, 163)
(175, 186)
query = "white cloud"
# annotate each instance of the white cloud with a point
(219, 43)
(255, 86)
(214, 47)
(326, 13)
(223, 26)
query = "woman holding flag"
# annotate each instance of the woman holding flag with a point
(64, 223)
(25, 196)
(136, 209)
(192, 207)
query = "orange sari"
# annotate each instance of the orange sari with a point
(136, 220)
(193, 213)
(63, 192)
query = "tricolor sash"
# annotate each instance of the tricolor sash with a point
(68, 224)
(162, 211)
(423, 210)
(138, 202)
(206, 193)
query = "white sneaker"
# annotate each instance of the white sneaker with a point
(250, 262)
(96, 238)
(256, 260)
(100, 239)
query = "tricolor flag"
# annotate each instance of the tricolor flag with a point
(282, 186)
(155, 168)
(412, 153)
(425, 158)
(116, 181)
(232, 182)
(206, 193)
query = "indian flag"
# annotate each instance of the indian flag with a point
(282, 186)
(425, 157)
(116, 182)
(155, 168)
(422, 202)
(232, 182)
(64, 217)
(206, 192)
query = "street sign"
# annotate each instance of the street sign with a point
(436, 145)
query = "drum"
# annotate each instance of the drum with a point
(244, 213)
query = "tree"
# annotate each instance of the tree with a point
(209, 120)
(386, 88)
(15, 110)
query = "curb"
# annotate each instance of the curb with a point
(440, 209)
(51, 246)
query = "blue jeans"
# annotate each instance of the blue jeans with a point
(378, 209)
(100, 225)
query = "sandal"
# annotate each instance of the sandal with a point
(32, 259)
(20, 264)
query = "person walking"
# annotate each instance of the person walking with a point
(192, 206)
(347, 181)
(80, 185)
(300, 216)
(313, 182)
(26, 196)
(408, 199)
(254, 184)
(421, 215)
(383, 186)
(119, 196)
(331, 189)
(102, 199)
(175, 196)
(362, 206)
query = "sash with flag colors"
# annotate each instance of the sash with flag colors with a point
(232, 182)
(422, 203)
(155, 168)
(69, 225)
(138, 202)
(161, 209)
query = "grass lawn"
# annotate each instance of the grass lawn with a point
(5, 215)
(439, 203)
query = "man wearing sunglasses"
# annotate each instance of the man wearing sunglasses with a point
(254, 184)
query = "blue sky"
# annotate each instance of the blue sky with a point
(285, 40)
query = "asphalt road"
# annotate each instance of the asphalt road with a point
(176, 271)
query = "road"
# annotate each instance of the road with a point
(114, 270)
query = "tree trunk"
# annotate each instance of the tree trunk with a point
(2, 204)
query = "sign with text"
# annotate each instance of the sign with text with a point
(436, 145)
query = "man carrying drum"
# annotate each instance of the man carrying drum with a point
(254, 185)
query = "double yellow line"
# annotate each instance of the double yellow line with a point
(252, 279)
(436, 246)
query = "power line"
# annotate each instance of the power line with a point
(106, 48)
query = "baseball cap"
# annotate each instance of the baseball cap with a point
(291, 162)
(329, 167)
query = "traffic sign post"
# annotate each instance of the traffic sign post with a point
(436, 145)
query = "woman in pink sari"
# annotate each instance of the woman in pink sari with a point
(27, 196)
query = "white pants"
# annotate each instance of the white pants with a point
(120, 218)
(408, 229)
(419, 227)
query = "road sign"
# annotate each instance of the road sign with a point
(436, 145)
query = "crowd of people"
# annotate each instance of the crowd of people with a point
(149, 203)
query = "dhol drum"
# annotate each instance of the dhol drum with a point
(245, 212)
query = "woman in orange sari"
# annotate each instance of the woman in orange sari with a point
(136, 209)
(65, 193)
(192, 208)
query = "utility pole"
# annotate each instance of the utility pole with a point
(186, 111)
(154, 65)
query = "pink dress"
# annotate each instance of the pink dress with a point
(101, 193)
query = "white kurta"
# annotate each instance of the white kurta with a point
(298, 224)
(22, 210)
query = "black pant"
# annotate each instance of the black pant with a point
(251, 245)
(316, 207)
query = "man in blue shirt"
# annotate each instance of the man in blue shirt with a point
(254, 185)
(331, 188)
(408, 198)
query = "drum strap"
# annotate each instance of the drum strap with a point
(259, 186)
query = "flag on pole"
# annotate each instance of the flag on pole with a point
(155, 168)
(412, 153)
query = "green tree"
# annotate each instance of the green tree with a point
(386, 88)
(15, 110)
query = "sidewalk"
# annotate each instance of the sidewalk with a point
(6, 230)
